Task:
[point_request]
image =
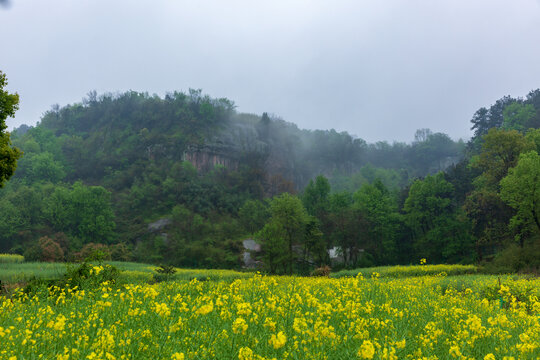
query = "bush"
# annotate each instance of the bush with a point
(120, 252)
(164, 273)
(94, 252)
(89, 276)
(50, 250)
(515, 259)
(83, 276)
(321, 271)
(46, 250)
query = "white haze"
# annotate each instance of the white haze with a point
(377, 69)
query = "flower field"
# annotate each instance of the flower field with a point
(267, 317)
(11, 259)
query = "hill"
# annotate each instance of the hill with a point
(183, 178)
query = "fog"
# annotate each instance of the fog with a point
(379, 70)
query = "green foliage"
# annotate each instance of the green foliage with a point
(285, 228)
(46, 249)
(391, 178)
(193, 160)
(379, 210)
(315, 196)
(441, 233)
(500, 151)
(164, 273)
(517, 116)
(9, 103)
(515, 258)
(87, 275)
(521, 190)
(40, 167)
(94, 252)
(253, 215)
(82, 211)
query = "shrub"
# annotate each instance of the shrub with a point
(515, 259)
(50, 250)
(321, 271)
(94, 252)
(164, 273)
(120, 252)
(88, 276)
(33, 253)
(46, 249)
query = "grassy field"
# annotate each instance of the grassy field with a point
(269, 317)
(408, 271)
(13, 273)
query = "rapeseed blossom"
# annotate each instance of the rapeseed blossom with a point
(278, 341)
(367, 350)
(270, 317)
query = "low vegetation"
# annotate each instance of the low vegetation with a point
(408, 271)
(11, 259)
(271, 317)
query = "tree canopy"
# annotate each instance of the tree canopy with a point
(9, 104)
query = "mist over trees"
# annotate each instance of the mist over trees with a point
(183, 179)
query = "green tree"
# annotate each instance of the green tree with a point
(82, 211)
(9, 103)
(440, 232)
(517, 116)
(347, 228)
(489, 215)
(500, 151)
(285, 229)
(315, 196)
(521, 190)
(379, 209)
(35, 167)
(11, 222)
(253, 215)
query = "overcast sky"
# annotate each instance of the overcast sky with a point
(377, 69)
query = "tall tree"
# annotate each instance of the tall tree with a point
(379, 209)
(9, 103)
(521, 190)
(285, 229)
(440, 233)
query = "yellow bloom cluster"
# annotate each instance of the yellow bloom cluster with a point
(266, 317)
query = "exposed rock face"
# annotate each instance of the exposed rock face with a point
(250, 246)
(225, 148)
(206, 157)
(159, 224)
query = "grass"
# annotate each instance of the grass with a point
(408, 271)
(13, 273)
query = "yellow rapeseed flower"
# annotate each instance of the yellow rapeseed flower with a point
(367, 350)
(239, 326)
(278, 341)
(245, 353)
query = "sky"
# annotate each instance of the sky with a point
(377, 69)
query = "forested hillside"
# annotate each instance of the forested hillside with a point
(185, 178)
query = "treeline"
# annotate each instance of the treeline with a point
(184, 179)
